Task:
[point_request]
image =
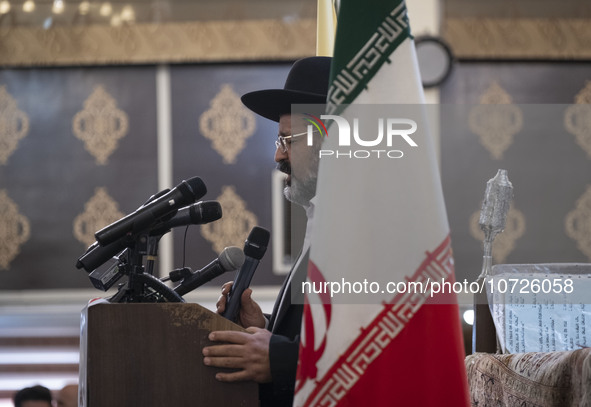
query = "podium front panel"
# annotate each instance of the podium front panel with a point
(150, 355)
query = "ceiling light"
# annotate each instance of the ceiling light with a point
(469, 317)
(84, 8)
(58, 6)
(106, 9)
(127, 14)
(4, 6)
(29, 6)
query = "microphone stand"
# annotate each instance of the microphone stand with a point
(141, 285)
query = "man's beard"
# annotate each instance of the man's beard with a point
(299, 191)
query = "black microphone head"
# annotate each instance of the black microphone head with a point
(205, 212)
(147, 215)
(255, 245)
(79, 262)
(231, 258)
(96, 254)
(197, 187)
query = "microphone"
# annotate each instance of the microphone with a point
(229, 259)
(96, 254)
(254, 249)
(145, 216)
(196, 214)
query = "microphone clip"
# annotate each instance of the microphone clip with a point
(180, 274)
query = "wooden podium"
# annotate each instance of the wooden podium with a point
(150, 355)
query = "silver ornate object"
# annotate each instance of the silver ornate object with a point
(493, 215)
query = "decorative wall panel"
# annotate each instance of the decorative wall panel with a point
(14, 125)
(237, 222)
(233, 154)
(578, 223)
(227, 123)
(100, 210)
(16, 230)
(577, 118)
(100, 125)
(495, 120)
(549, 170)
(56, 183)
(61, 189)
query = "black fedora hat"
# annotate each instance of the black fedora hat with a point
(306, 83)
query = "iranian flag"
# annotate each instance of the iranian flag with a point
(379, 218)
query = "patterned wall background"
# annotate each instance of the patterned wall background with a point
(231, 149)
(78, 151)
(493, 123)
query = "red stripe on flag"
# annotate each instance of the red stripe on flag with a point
(308, 352)
(422, 364)
(398, 343)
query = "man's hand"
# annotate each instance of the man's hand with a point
(250, 312)
(248, 352)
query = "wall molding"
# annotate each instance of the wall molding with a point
(273, 40)
(210, 41)
(536, 38)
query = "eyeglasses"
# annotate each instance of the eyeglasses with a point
(283, 142)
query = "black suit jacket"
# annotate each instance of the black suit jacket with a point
(285, 325)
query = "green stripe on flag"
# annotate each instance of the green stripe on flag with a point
(360, 52)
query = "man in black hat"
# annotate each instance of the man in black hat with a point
(268, 354)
